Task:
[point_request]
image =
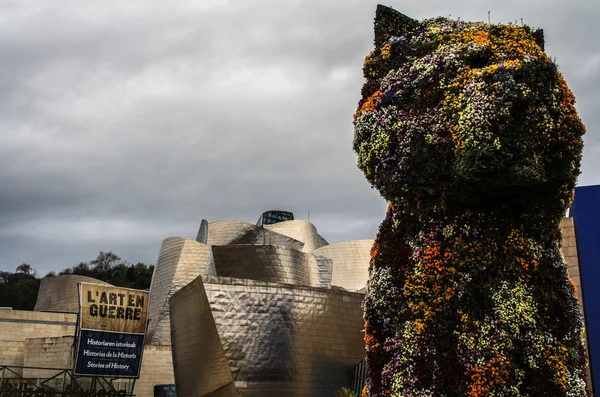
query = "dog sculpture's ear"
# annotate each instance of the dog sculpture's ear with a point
(389, 22)
(538, 36)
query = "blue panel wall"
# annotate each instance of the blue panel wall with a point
(586, 211)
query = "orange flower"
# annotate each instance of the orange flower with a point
(368, 105)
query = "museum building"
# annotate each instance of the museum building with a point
(244, 309)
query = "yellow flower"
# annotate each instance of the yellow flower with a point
(386, 51)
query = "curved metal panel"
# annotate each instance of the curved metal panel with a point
(200, 365)
(271, 263)
(60, 293)
(350, 262)
(301, 231)
(276, 338)
(180, 261)
(202, 236)
(237, 232)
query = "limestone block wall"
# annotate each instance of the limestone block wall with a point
(569, 251)
(45, 339)
(278, 339)
(157, 362)
(350, 260)
(17, 326)
(237, 232)
(272, 263)
(302, 231)
(180, 261)
(61, 294)
(200, 365)
(157, 369)
(12, 353)
(50, 352)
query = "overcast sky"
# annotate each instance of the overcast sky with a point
(126, 122)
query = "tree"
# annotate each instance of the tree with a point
(25, 268)
(139, 275)
(83, 269)
(19, 290)
(65, 272)
(4, 276)
(106, 262)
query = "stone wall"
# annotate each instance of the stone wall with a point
(12, 353)
(18, 326)
(50, 352)
(569, 251)
(157, 369)
(46, 340)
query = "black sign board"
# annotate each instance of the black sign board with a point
(112, 325)
(109, 354)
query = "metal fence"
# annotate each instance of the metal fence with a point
(360, 376)
(19, 381)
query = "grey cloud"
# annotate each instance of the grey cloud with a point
(127, 122)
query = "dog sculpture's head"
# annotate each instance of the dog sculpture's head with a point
(458, 114)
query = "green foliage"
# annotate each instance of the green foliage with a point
(109, 267)
(25, 268)
(19, 290)
(345, 392)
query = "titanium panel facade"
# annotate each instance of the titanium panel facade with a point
(350, 263)
(237, 232)
(302, 231)
(198, 357)
(180, 261)
(61, 294)
(277, 339)
(271, 263)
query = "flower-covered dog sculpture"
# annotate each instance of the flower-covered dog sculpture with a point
(470, 132)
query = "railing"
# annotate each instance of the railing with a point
(19, 381)
(359, 378)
